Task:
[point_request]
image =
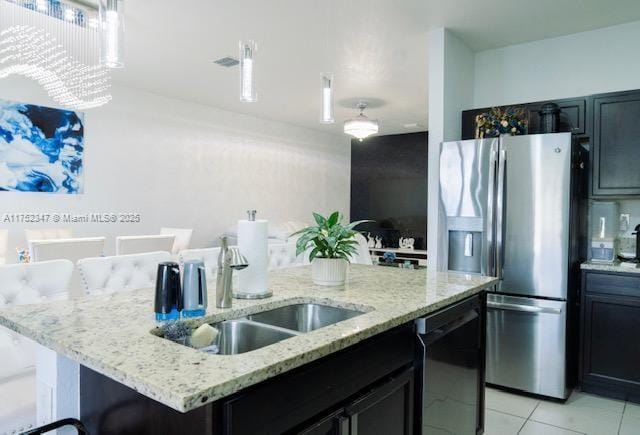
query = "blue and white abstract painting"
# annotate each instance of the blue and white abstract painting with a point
(41, 149)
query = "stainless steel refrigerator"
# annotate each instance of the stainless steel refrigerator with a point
(508, 204)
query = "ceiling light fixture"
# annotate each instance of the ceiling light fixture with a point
(111, 14)
(52, 43)
(247, 71)
(361, 127)
(326, 116)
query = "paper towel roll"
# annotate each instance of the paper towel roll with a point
(252, 242)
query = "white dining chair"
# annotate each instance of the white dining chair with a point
(140, 244)
(209, 256)
(70, 249)
(48, 233)
(4, 238)
(283, 255)
(103, 275)
(22, 284)
(182, 238)
(363, 256)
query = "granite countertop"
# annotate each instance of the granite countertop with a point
(111, 333)
(610, 267)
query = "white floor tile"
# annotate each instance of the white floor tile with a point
(521, 406)
(584, 413)
(591, 401)
(497, 423)
(535, 428)
(630, 420)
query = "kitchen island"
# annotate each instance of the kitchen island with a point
(124, 364)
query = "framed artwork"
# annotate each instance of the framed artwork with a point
(41, 149)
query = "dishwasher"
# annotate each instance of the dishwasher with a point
(451, 360)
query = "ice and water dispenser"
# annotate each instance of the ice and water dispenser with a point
(465, 244)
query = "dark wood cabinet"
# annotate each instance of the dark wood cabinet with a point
(386, 409)
(615, 157)
(610, 344)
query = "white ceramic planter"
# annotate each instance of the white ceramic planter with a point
(329, 271)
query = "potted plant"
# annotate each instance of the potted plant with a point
(330, 245)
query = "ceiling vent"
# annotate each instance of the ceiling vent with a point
(227, 61)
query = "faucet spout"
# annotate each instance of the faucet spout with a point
(229, 259)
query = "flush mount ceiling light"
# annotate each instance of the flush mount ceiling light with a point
(247, 71)
(361, 127)
(56, 44)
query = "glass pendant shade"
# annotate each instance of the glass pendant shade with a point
(326, 114)
(111, 33)
(247, 71)
(361, 127)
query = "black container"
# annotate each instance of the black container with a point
(549, 118)
(168, 302)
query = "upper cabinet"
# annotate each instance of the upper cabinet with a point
(615, 156)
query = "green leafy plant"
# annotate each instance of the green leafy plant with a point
(329, 238)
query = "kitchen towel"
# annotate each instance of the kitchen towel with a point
(252, 242)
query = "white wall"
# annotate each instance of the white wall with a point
(603, 60)
(450, 91)
(187, 165)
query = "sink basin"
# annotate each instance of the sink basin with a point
(240, 336)
(304, 317)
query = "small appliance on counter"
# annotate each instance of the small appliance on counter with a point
(604, 231)
(168, 300)
(632, 259)
(194, 289)
(252, 242)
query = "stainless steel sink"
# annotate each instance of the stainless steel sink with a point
(241, 335)
(258, 330)
(304, 317)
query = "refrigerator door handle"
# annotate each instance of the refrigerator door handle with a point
(493, 164)
(525, 308)
(500, 207)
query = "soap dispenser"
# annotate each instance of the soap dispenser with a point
(194, 289)
(168, 300)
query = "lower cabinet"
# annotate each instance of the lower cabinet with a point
(385, 409)
(610, 331)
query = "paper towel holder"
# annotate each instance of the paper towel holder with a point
(251, 215)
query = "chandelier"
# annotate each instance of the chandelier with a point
(57, 45)
(361, 127)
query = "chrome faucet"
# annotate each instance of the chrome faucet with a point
(229, 259)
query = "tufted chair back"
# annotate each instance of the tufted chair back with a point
(182, 238)
(70, 249)
(284, 255)
(104, 275)
(48, 233)
(4, 236)
(126, 245)
(209, 256)
(22, 284)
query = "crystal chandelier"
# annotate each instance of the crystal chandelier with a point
(57, 45)
(361, 127)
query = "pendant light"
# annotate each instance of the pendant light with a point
(361, 127)
(326, 113)
(112, 33)
(248, 92)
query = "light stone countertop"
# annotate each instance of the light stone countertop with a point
(615, 267)
(111, 333)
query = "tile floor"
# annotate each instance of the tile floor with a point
(510, 414)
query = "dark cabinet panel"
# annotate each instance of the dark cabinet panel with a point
(616, 145)
(573, 117)
(387, 409)
(610, 325)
